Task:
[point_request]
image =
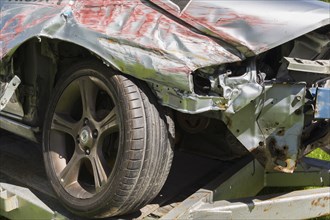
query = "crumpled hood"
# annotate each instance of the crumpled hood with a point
(251, 26)
(139, 39)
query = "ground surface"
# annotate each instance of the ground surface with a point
(21, 163)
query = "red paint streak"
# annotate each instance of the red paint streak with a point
(27, 17)
(137, 25)
(132, 20)
(129, 22)
(14, 25)
(23, 21)
(167, 7)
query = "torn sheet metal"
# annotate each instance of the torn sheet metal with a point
(187, 102)
(270, 126)
(241, 90)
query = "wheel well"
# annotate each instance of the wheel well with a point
(40, 63)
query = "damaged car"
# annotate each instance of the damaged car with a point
(111, 87)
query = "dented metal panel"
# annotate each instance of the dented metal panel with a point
(139, 40)
(131, 36)
(270, 126)
(252, 27)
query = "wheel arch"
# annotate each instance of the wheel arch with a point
(40, 62)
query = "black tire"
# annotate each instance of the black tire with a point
(118, 159)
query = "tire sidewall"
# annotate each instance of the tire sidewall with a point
(111, 80)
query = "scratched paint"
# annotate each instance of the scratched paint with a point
(139, 40)
(253, 26)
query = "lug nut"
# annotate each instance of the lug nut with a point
(78, 139)
(87, 152)
(86, 121)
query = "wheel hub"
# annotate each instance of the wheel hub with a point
(89, 126)
(86, 137)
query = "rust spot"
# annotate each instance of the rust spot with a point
(223, 106)
(298, 112)
(281, 132)
(320, 202)
(278, 152)
(289, 167)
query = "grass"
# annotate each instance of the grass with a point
(317, 154)
(320, 154)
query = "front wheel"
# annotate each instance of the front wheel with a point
(106, 142)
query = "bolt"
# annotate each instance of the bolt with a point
(298, 98)
(298, 112)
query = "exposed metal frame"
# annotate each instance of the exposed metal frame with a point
(8, 91)
(223, 199)
(311, 66)
(294, 205)
(20, 129)
(20, 203)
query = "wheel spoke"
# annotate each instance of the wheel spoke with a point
(70, 173)
(100, 171)
(88, 92)
(109, 124)
(64, 124)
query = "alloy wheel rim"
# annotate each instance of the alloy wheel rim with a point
(84, 137)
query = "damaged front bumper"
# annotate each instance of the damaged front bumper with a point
(267, 117)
